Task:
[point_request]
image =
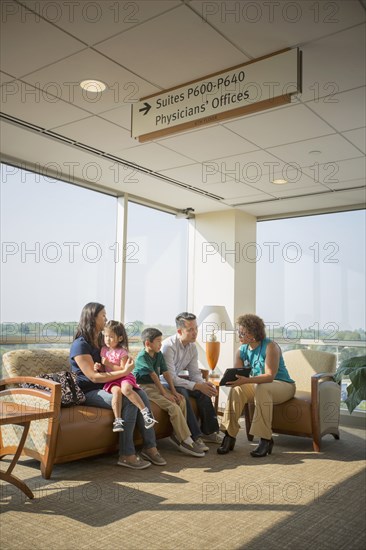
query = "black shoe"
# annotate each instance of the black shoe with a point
(264, 448)
(228, 444)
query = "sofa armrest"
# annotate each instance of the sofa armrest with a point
(12, 387)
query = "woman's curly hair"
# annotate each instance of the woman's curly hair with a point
(254, 325)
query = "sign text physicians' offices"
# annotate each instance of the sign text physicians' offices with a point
(247, 88)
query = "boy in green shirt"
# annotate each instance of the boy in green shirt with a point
(149, 365)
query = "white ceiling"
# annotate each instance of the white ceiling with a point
(143, 47)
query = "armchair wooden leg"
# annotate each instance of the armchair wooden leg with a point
(316, 446)
(46, 470)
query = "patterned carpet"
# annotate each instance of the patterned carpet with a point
(295, 499)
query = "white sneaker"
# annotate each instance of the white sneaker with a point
(118, 425)
(215, 437)
(200, 445)
(149, 420)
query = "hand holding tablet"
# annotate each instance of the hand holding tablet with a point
(230, 374)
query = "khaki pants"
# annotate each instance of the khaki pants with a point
(177, 413)
(265, 396)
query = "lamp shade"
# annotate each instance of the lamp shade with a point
(214, 319)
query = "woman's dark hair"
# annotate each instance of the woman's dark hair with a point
(86, 326)
(254, 325)
(120, 331)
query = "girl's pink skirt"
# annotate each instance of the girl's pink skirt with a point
(128, 379)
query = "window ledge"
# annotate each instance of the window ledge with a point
(355, 420)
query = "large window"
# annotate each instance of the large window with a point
(311, 275)
(156, 268)
(311, 283)
(57, 253)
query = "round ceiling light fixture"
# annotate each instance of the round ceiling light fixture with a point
(279, 181)
(93, 86)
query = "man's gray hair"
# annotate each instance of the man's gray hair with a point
(183, 317)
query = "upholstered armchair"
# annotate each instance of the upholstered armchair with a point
(314, 411)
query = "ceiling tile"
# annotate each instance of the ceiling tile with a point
(306, 204)
(211, 143)
(249, 199)
(357, 137)
(332, 149)
(32, 105)
(97, 171)
(284, 191)
(248, 168)
(119, 115)
(23, 39)
(333, 173)
(334, 64)
(98, 133)
(153, 156)
(231, 189)
(343, 111)
(62, 79)
(197, 175)
(351, 184)
(150, 188)
(172, 49)
(296, 178)
(294, 123)
(5, 78)
(93, 22)
(263, 27)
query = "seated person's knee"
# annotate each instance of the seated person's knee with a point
(127, 390)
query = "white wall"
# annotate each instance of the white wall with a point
(221, 270)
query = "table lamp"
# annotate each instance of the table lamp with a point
(213, 319)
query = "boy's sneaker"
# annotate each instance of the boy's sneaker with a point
(215, 437)
(149, 420)
(201, 445)
(118, 425)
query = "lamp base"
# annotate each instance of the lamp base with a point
(213, 374)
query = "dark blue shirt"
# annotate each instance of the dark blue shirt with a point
(81, 347)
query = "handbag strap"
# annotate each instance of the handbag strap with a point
(71, 381)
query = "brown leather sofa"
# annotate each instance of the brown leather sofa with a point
(74, 432)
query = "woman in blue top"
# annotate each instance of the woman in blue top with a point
(84, 354)
(269, 384)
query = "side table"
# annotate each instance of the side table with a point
(20, 414)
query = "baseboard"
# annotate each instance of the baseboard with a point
(355, 420)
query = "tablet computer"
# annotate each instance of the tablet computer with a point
(229, 374)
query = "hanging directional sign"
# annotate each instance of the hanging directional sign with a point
(257, 85)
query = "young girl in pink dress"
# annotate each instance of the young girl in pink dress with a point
(114, 356)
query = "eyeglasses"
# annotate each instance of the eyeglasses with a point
(241, 333)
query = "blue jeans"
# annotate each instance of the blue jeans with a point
(131, 416)
(206, 412)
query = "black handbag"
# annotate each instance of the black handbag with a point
(71, 394)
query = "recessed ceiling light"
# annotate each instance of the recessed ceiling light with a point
(279, 181)
(94, 86)
(315, 152)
